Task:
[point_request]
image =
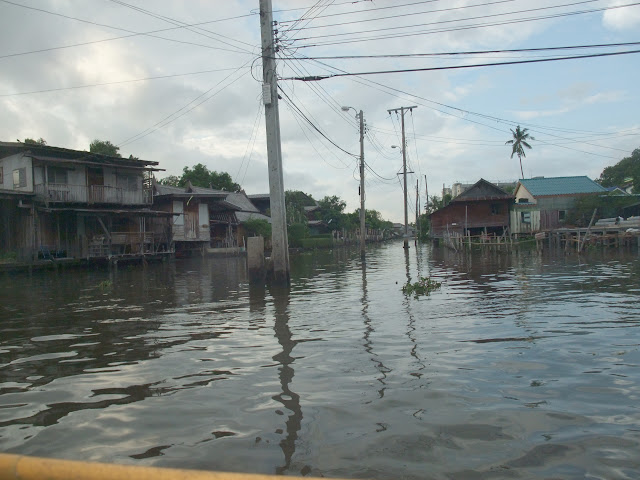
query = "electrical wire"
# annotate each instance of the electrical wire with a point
(457, 67)
(413, 14)
(460, 28)
(314, 126)
(440, 22)
(173, 21)
(459, 53)
(132, 34)
(362, 11)
(172, 117)
(415, 98)
(117, 82)
(297, 117)
(252, 142)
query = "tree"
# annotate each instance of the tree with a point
(201, 176)
(104, 147)
(171, 181)
(40, 141)
(331, 212)
(295, 201)
(436, 203)
(616, 175)
(258, 227)
(519, 140)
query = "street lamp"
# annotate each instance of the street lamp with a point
(363, 228)
(406, 214)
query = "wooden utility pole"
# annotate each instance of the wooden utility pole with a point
(404, 170)
(279, 240)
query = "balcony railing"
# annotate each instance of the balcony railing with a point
(65, 193)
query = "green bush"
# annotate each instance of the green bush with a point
(297, 232)
(258, 227)
(317, 242)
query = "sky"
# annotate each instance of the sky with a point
(179, 83)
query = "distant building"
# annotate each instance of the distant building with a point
(458, 188)
(189, 207)
(543, 203)
(62, 203)
(482, 208)
(262, 201)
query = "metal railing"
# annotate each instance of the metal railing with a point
(65, 193)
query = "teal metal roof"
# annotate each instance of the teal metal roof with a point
(561, 186)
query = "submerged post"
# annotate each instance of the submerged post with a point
(255, 260)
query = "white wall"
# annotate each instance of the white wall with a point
(11, 163)
(204, 230)
(523, 193)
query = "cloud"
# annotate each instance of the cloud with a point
(626, 18)
(218, 132)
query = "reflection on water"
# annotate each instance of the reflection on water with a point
(520, 366)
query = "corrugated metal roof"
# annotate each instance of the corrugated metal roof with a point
(9, 148)
(240, 201)
(561, 186)
(186, 192)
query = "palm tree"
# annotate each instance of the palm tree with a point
(519, 140)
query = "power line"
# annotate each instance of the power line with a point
(254, 136)
(183, 24)
(168, 119)
(461, 53)
(455, 29)
(413, 14)
(314, 126)
(386, 89)
(325, 96)
(297, 115)
(316, 78)
(362, 11)
(132, 34)
(102, 84)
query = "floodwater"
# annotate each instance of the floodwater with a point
(519, 366)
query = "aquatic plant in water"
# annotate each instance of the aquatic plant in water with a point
(424, 286)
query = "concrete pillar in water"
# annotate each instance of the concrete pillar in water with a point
(255, 259)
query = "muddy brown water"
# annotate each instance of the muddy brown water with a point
(519, 366)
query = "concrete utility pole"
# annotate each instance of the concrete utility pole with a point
(426, 192)
(404, 170)
(417, 210)
(279, 240)
(363, 227)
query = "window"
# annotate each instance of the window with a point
(57, 175)
(562, 215)
(523, 200)
(525, 217)
(1, 176)
(130, 183)
(20, 177)
(496, 209)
